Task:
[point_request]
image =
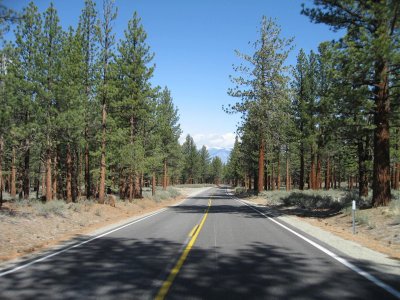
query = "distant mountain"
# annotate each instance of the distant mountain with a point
(222, 153)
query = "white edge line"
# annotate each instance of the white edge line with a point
(343, 261)
(77, 245)
(88, 241)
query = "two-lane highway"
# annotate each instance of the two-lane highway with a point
(212, 246)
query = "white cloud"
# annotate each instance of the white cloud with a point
(213, 140)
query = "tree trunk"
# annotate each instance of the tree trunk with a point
(137, 186)
(69, 174)
(75, 154)
(327, 174)
(287, 174)
(87, 168)
(44, 181)
(49, 194)
(272, 177)
(55, 175)
(38, 180)
(79, 173)
(302, 169)
(13, 188)
(278, 175)
(103, 154)
(362, 168)
(1, 171)
(318, 176)
(121, 185)
(396, 176)
(165, 183)
(396, 184)
(153, 184)
(261, 154)
(334, 177)
(381, 166)
(26, 181)
(131, 187)
(312, 171)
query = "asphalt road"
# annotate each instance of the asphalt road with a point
(212, 246)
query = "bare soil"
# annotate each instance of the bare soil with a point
(27, 228)
(376, 228)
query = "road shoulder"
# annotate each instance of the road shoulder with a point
(376, 260)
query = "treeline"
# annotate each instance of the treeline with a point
(79, 116)
(198, 167)
(331, 119)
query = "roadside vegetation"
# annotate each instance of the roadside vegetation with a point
(328, 122)
(81, 123)
(80, 118)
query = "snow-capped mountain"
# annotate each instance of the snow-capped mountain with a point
(222, 153)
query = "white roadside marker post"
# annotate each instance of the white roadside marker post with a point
(353, 213)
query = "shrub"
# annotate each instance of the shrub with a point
(55, 207)
(76, 207)
(173, 193)
(240, 190)
(311, 200)
(161, 194)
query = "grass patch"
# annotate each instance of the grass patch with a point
(315, 199)
(75, 207)
(195, 185)
(240, 190)
(55, 207)
(161, 195)
(394, 207)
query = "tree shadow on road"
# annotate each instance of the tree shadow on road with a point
(120, 268)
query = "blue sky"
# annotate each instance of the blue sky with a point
(194, 43)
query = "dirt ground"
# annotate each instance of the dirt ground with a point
(28, 228)
(376, 228)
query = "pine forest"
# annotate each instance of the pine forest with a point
(81, 118)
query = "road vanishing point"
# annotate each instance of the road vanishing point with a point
(210, 246)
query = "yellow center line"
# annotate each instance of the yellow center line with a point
(193, 230)
(175, 270)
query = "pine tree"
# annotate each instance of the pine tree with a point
(88, 32)
(190, 172)
(70, 121)
(136, 97)
(204, 164)
(50, 70)
(26, 69)
(234, 166)
(106, 89)
(7, 17)
(216, 170)
(262, 89)
(6, 104)
(373, 34)
(168, 130)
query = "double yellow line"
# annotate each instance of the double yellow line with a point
(194, 233)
